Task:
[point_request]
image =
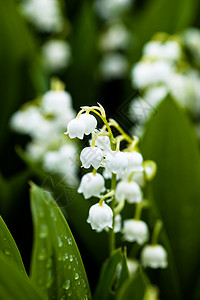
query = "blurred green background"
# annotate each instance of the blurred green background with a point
(173, 147)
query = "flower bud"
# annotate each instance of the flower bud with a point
(89, 121)
(135, 230)
(76, 128)
(116, 161)
(100, 216)
(154, 256)
(91, 185)
(91, 156)
(129, 191)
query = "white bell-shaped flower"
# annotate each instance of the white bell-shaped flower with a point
(118, 223)
(129, 191)
(116, 161)
(135, 230)
(135, 161)
(76, 128)
(92, 185)
(154, 256)
(100, 216)
(91, 156)
(103, 142)
(89, 121)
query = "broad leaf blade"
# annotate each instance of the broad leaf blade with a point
(9, 248)
(134, 287)
(114, 272)
(170, 141)
(14, 285)
(56, 263)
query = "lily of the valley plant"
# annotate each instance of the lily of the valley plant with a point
(116, 176)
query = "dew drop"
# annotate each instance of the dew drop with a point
(4, 239)
(65, 256)
(71, 257)
(78, 282)
(69, 240)
(76, 276)
(41, 213)
(7, 252)
(69, 267)
(42, 254)
(59, 256)
(49, 279)
(43, 231)
(49, 263)
(60, 243)
(66, 285)
(69, 294)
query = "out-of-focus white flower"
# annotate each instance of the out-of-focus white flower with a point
(147, 73)
(129, 191)
(56, 55)
(76, 128)
(116, 161)
(135, 230)
(62, 161)
(154, 256)
(92, 185)
(91, 156)
(154, 95)
(138, 177)
(135, 161)
(113, 65)
(56, 102)
(44, 14)
(112, 8)
(133, 265)
(100, 216)
(27, 121)
(118, 223)
(170, 50)
(191, 39)
(89, 121)
(36, 150)
(115, 37)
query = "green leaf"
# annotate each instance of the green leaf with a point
(167, 15)
(9, 248)
(14, 285)
(134, 287)
(170, 141)
(114, 272)
(56, 263)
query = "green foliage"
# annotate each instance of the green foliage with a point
(56, 265)
(170, 141)
(9, 248)
(114, 272)
(135, 287)
(14, 285)
(167, 15)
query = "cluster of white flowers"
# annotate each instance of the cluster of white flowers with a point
(46, 15)
(114, 39)
(169, 65)
(127, 174)
(56, 55)
(44, 120)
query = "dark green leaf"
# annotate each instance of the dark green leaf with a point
(56, 263)
(8, 246)
(14, 285)
(170, 141)
(114, 272)
(134, 287)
